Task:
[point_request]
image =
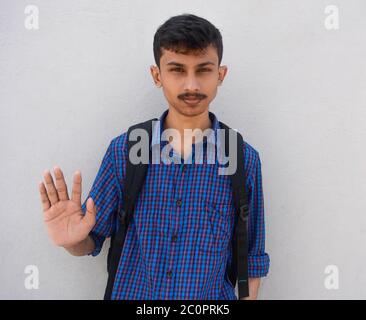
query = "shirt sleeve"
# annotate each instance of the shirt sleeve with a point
(106, 196)
(258, 259)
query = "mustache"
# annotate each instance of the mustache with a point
(192, 95)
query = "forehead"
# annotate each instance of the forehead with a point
(189, 58)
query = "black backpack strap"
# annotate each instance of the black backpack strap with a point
(135, 177)
(239, 268)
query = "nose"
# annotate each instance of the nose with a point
(191, 83)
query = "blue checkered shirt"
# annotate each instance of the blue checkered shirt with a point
(178, 244)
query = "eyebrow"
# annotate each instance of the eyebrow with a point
(173, 63)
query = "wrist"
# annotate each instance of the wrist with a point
(81, 248)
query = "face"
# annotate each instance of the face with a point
(189, 80)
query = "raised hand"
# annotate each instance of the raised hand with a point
(64, 218)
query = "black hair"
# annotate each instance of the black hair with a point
(185, 33)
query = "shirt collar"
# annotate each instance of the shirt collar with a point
(159, 125)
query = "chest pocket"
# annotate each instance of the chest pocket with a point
(216, 222)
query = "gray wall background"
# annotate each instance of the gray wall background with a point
(294, 89)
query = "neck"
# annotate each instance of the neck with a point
(178, 121)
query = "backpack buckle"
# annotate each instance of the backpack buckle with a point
(244, 212)
(122, 216)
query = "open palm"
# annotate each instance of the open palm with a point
(64, 218)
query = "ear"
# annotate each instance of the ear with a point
(222, 74)
(155, 73)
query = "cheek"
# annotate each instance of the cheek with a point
(210, 82)
(214, 80)
(170, 95)
(210, 88)
(170, 91)
(171, 84)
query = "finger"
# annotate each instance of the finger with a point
(60, 184)
(44, 198)
(76, 187)
(51, 190)
(89, 217)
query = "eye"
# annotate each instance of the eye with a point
(177, 69)
(204, 70)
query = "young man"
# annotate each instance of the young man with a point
(177, 244)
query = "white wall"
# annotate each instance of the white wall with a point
(294, 89)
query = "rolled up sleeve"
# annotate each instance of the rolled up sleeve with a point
(258, 259)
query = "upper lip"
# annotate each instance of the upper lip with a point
(191, 98)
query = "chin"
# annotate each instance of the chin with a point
(191, 111)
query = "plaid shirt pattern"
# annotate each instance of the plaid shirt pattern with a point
(178, 244)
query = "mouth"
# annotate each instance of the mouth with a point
(192, 101)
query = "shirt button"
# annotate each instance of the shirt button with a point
(169, 274)
(179, 202)
(174, 238)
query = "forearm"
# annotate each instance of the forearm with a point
(83, 248)
(253, 289)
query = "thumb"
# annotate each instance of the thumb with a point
(90, 213)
